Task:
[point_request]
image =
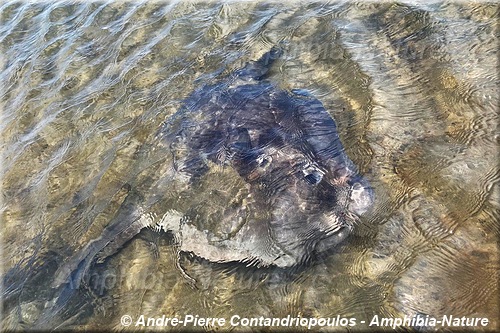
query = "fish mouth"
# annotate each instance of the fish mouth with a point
(362, 195)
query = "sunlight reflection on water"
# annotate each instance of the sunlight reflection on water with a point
(412, 88)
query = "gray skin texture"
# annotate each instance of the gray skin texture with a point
(300, 194)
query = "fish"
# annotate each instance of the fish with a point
(246, 172)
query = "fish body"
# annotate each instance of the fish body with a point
(282, 191)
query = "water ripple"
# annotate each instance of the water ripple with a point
(413, 88)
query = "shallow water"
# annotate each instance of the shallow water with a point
(412, 88)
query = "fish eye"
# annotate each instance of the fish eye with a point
(312, 176)
(264, 160)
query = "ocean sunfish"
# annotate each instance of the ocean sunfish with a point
(252, 174)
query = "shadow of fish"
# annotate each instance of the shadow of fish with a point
(298, 194)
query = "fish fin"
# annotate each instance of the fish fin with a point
(258, 70)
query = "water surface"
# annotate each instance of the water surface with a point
(412, 88)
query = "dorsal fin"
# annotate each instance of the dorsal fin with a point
(257, 70)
